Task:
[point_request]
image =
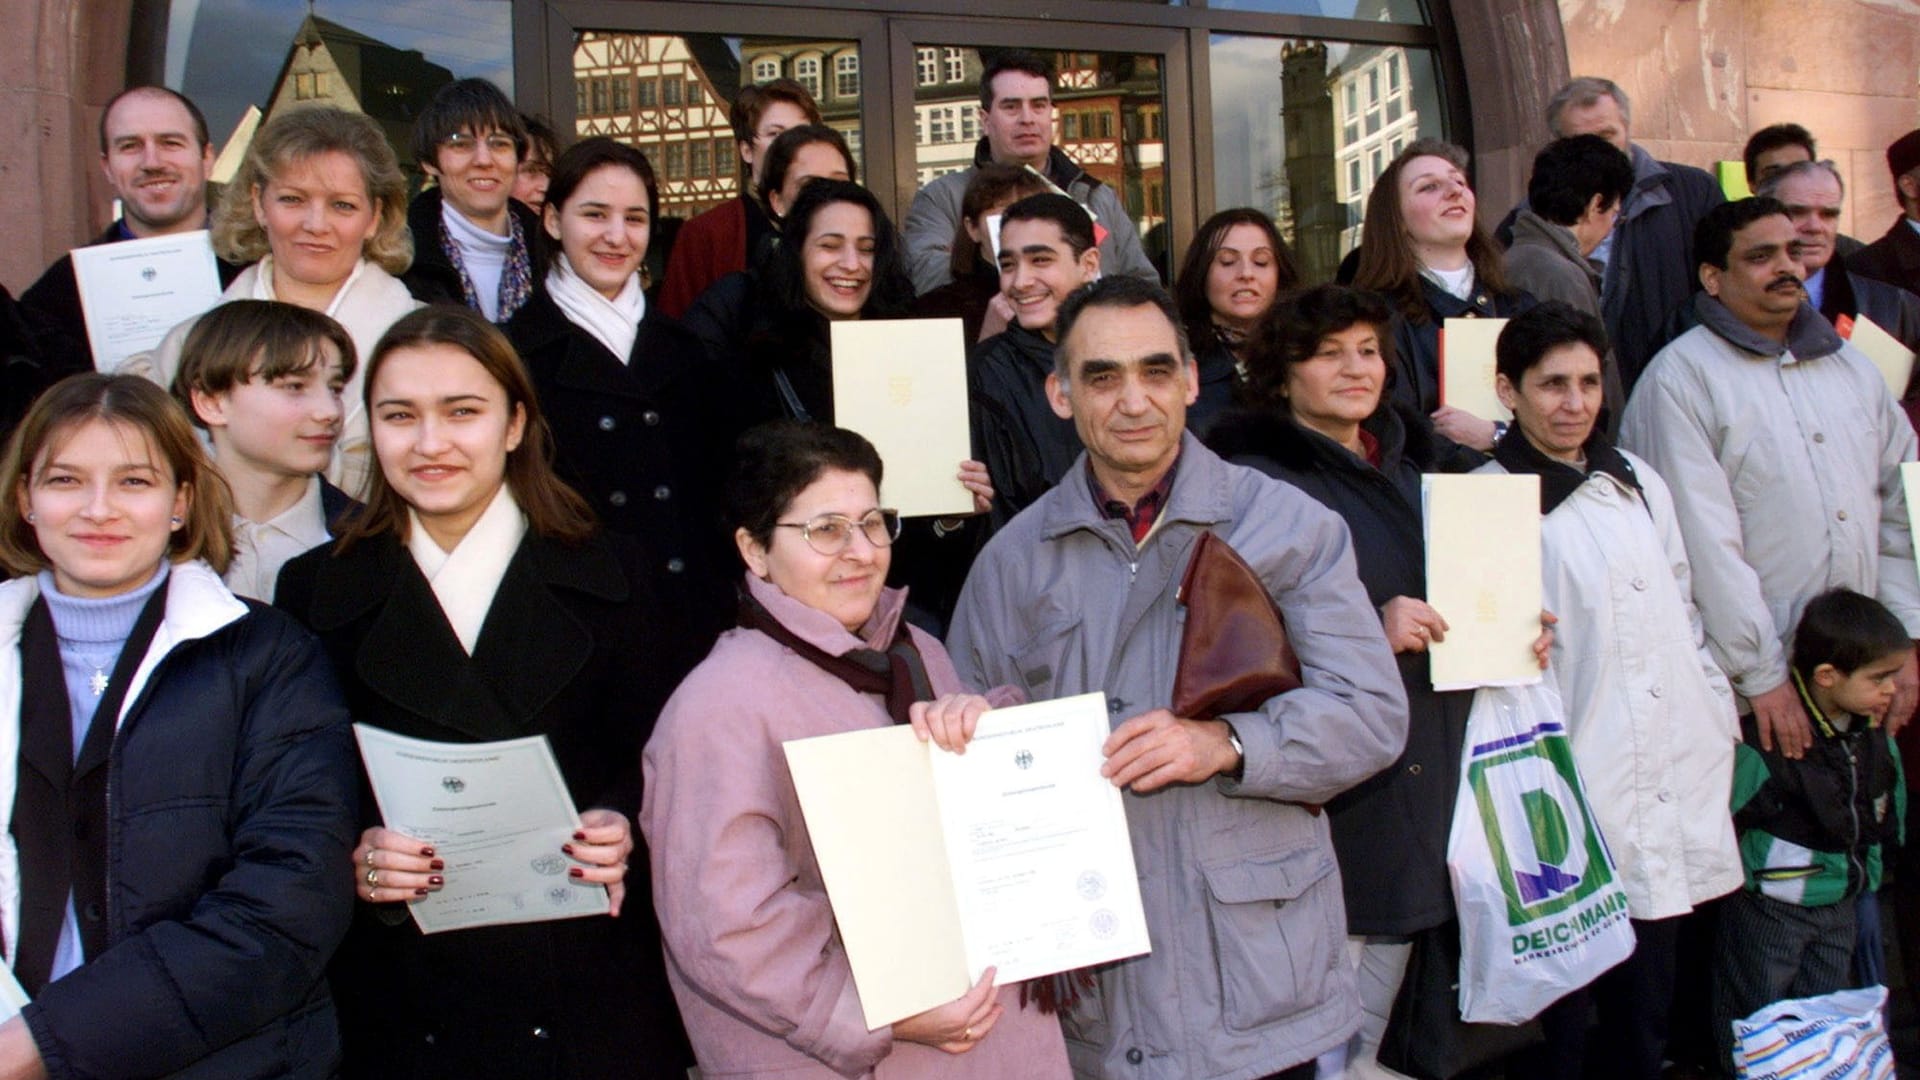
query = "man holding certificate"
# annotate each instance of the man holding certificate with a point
(1247, 976)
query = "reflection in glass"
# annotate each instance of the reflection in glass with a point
(1310, 158)
(1398, 11)
(243, 61)
(1108, 116)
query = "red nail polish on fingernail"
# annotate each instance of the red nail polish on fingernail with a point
(436, 880)
(419, 892)
(427, 852)
(568, 848)
(438, 864)
(576, 872)
(579, 836)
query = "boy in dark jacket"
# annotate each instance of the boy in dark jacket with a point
(1811, 829)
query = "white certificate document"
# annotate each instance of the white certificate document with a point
(1014, 855)
(134, 291)
(902, 383)
(13, 996)
(1910, 486)
(497, 813)
(1467, 367)
(1483, 577)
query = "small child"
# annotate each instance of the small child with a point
(1811, 829)
(263, 379)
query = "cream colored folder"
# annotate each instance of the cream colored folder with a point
(1894, 360)
(903, 384)
(1014, 855)
(1483, 577)
(1910, 485)
(1467, 367)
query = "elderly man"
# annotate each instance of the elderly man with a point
(1248, 976)
(1812, 192)
(1646, 274)
(1016, 113)
(155, 153)
(1895, 257)
(1783, 449)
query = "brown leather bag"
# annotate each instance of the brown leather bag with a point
(1234, 652)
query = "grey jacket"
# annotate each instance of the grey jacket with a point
(1784, 462)
(1248, 974)
(1545, 260)
(934, 219)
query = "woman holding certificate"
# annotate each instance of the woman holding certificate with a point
(763, 981)
(1320, 419)
(638, 426)
(475, 600)
(176, 768)
(1426, 252)
(319, 210)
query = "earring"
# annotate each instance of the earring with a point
(30, 518)
(176, 521)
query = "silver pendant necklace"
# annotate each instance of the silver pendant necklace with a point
(97, 682)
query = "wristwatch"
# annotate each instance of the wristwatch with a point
(1499, 431)
(1239, 751)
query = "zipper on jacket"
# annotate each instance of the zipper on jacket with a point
(113, 762)
(1853, 814)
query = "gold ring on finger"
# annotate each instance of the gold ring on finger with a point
(969, 1035)
(369, 858)
(373, 878)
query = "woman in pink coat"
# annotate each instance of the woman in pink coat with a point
(755, 963)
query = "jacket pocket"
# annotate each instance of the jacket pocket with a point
(1041, 659)
(1275, 939)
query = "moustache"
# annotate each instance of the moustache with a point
(1787, 281)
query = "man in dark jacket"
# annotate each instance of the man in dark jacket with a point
(1046, 254)
(1648, 273)
(1895, 257)
(472, 243)
(1016, 112)
(155, 153)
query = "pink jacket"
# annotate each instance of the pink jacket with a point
(752, 953)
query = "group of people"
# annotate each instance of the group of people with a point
(454, 467)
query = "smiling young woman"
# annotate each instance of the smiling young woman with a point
(140, 701)
(475, 599)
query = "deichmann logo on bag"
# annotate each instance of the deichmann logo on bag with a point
(1552, 863)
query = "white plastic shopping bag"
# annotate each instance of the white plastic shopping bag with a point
(1837, 1036)
(1542, 912)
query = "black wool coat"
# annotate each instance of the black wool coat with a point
(1389, 832)
(568, 650)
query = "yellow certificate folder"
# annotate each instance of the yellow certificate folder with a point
(1894, 360)
(1483, 577)
(1467, 367)
(1014, 855)
(903, 384)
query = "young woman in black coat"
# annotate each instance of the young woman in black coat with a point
(1319, 417)
(640, 426)
(1236, 269)
(473, 600)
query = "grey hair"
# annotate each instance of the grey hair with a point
(1582, 92)
(1770, 187)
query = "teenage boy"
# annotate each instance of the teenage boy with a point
(472, 243)
(1811, 828)
(263, 380)
(1047, 252)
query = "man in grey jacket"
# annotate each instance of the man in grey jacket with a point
(1783, 451)
(1016, 113)
(1248, 975)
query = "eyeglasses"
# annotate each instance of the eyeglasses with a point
(832, 534)
(498, 143)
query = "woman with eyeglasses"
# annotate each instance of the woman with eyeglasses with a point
(473, 600)
(762, 979)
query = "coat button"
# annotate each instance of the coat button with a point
(650, 418)
(1842, 515)
(1655, 691)
(675, 566)
(92, 912)
(617, 498)
(1134, 1056)
(662, 493)
(1666, 796)
(1819, 436)
(1414, 769)
(606, 423)
(540, 1033)
(1640, 584)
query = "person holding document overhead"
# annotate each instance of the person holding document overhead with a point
(474, 600)
(763, 981)
(177, 781)
(1649, 712)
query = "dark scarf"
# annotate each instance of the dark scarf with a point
(516, 277)
(898, 672)
(1558, 480)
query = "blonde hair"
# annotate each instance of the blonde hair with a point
(139, 405)
(301, 134)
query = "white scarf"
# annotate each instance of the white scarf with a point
(465, 579)
(263, 287)
(613, 323)
(1458, 282)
